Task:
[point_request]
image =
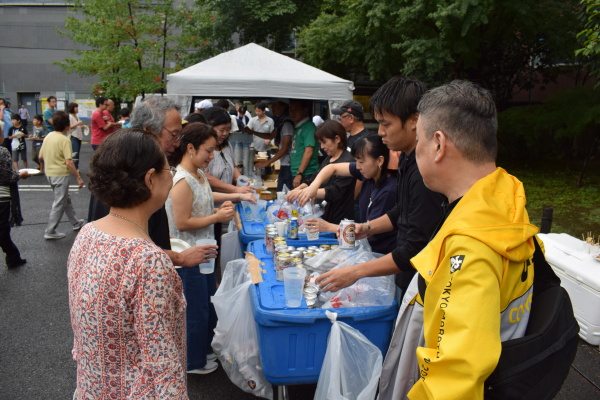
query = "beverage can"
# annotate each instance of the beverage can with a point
(297, 254)
(347, 234)
(293, 232)
(284, 260)
(325, 247)
(270, 242)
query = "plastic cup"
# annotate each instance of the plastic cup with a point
(293, 281)
(311, 235)
(281, 225)
(209, 267)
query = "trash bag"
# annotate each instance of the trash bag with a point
(366, 292)
(352, 365)
(230, 248)
(236, 340)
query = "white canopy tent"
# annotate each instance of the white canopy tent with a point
(253, 71)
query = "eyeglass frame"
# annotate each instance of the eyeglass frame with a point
(176, 137)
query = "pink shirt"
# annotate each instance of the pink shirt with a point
(128, 319)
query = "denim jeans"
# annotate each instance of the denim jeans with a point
(200, 314)
(285, 177)
(76, 145)
(62, 203)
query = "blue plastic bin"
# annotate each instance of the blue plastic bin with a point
(293, 341)
(255, 230)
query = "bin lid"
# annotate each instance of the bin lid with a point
(567, 254)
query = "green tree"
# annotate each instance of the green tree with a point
(127, 44)
(506, 45)
(213, 26)
(590, 37)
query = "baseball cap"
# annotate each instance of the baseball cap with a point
(203, 104)
(352, 107)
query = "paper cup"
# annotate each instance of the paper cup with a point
(207, 267)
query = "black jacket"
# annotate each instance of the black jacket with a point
(417, 213)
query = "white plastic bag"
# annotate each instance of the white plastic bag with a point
(230, 248)
(352, 365)
(236, 340)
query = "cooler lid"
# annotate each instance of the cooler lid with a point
(567, 254)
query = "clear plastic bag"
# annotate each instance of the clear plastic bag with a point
(352, 365)
(236, 340)
(366, 292)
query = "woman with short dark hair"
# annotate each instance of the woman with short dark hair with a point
(126, 300)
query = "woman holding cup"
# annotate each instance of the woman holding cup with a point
(192, 216)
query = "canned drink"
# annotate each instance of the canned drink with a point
(308, 254)
(313, 247)
(311, 289)
(281, 248)
(347, 235)
(311, 303)
(270, 242)
(334, 246)
(291, 249)
(280, 239)
(297, 254)
(284, 261)
(325, 247)
(302, 249)
(293, 233)
(310, 296)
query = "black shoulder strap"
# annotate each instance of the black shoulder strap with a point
(543, 278)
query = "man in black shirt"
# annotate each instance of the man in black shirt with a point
(418, 209)
(351, 117)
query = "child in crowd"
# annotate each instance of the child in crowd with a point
(17, 133)
(37, 136)
(124, 120)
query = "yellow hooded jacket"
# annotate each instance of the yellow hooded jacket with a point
(479, 275)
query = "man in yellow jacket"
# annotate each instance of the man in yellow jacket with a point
(474, 284)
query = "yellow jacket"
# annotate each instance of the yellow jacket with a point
(479, 275)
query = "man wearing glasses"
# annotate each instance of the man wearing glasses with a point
(160, 116)
(351, 116)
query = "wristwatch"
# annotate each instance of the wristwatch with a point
(299, 173)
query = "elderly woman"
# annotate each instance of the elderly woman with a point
(192, 216)
(126, 300)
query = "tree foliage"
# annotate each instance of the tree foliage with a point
(213, 26)
(505, 45)
(590, 36)
(127, 44)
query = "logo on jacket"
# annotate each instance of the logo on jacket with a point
(456, 263)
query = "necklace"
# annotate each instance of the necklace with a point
(129, 220)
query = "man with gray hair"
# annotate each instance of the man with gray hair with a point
(160, 115)
(478, 267)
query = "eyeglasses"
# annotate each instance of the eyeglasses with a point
(173, 170)
(176, 135)
(345, 115)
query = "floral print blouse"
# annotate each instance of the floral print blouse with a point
(128, 319)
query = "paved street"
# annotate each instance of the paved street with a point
(35, 332)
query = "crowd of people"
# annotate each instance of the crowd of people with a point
(141, 314)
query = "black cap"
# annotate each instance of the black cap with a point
(352, 107)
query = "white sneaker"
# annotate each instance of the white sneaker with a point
(211, 366)
(211, 357)
(79, 224)
(54, 236)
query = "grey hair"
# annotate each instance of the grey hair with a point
(467, 115)
(150, 114)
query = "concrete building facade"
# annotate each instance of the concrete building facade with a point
(29, 46)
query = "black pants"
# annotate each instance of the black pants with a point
(12, 252)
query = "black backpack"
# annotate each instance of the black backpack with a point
(536, 365)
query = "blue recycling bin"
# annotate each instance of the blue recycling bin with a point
(255, 230)
(293, 341)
